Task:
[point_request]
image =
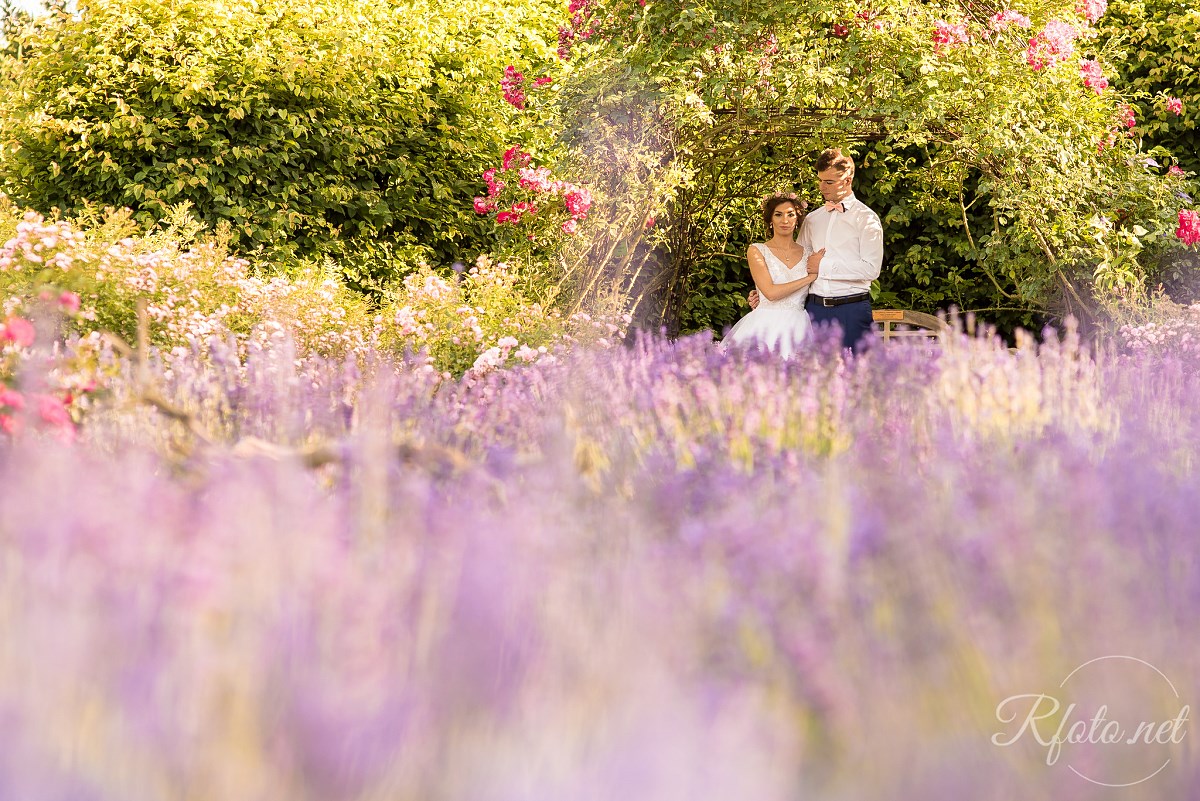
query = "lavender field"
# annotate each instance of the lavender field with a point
(655, 572)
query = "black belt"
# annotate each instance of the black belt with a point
(842, 301)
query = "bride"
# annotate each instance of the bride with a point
(782, 271)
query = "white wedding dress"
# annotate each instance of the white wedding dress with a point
(781, 325)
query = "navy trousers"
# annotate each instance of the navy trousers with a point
(854, 319)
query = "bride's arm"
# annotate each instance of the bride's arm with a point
(762, 278)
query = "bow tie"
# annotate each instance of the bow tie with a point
(836, 207)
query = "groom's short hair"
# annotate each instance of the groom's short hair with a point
(834, 158)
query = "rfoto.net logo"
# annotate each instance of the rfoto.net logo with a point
(1115, 721)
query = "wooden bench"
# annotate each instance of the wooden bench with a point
(911, 324)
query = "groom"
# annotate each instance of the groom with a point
(847, 239)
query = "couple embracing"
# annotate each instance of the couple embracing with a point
(822, 277)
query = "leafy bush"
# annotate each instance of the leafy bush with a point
(313, 126)
(1158, 59)
(969, 124)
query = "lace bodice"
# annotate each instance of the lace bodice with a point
(781, 274)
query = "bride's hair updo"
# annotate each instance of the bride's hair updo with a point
(772, 202)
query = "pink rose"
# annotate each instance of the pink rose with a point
(947, 35)
(54, 414)
(12, 399)
(578, 201)
(1189, 227)
(510, 84)
(1054, 43)
(1004, 19)
(52, 410)
(1092, 9)
(515, 156)
(1175, 105)
(1093, 76)
(18, 331)
(538, 180)
(68, 302)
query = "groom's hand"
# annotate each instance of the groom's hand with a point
(752, 298)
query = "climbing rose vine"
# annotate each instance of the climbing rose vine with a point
(946, 35)
(1093, 76)
(1092, 9)
(1188, 231)
(531, 191)
(1054, 43)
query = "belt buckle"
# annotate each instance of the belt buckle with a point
(828, 302)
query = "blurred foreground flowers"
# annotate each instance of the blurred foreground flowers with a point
(654, 572)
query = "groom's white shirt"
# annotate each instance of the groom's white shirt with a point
(853, 242)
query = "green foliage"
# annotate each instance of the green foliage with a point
(312, 126)
(1002, 187)
(1159, 58)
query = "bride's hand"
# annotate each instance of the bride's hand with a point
(752, 298)
(814, 261)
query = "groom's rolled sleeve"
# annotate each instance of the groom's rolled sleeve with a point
(840, 266)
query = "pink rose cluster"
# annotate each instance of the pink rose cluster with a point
(1188, 231)
(581, 27)
(17, 331)
(1093, 10)
(53, 410)
(1175, 105)
(512, 84)
(947, 35)
(1093, 76)
(53, 413)
(1005, 19)
(1054, 43)
(540, 183)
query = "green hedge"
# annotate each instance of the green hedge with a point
(310, 126)
(1161, 56)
